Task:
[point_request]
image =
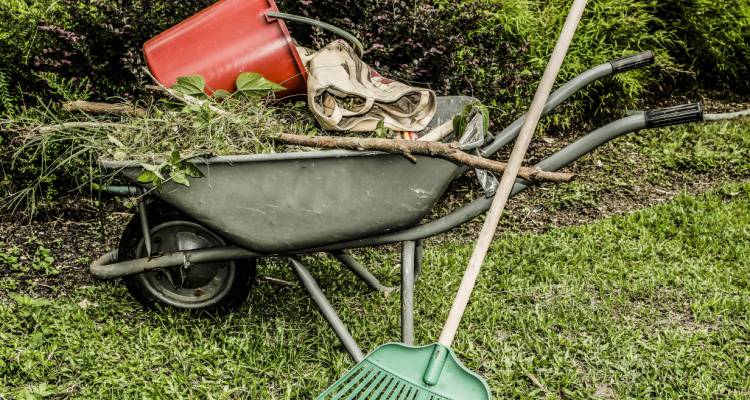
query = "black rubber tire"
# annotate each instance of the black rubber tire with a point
(159, 213)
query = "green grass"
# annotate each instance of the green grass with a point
(701, 148)
(665, 157)
(652, 304)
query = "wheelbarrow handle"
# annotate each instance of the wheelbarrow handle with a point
(358, 47)
(676, 115)
(567, 90)
(632, 62)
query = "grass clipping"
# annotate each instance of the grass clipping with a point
(164, 135)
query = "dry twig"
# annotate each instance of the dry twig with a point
(410, 147)
(104, 108)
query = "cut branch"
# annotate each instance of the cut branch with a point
(104, 108)
(409, 148)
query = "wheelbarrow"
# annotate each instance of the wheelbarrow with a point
(196, 247)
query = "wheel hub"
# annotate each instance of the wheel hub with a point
(189, 285)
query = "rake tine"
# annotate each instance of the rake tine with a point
(353, 381)
(375, 383)
(355, 394)
(376, 395)
(407, 394)
(397, 393)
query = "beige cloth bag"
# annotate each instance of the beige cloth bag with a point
(345, 94)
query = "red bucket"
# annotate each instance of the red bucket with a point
(224, 40)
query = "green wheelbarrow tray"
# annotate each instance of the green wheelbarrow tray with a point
(397, 371)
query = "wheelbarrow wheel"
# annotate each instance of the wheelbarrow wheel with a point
(214, 287)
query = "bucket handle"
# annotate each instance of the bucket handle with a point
(358, 47)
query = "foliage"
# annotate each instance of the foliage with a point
(491, 48)
(40, 263)
(651, 304)
(496, 50)
(95, 41)
(433, 44)
(174, 168)
(715, 39)
(610, 29)
(9, 259)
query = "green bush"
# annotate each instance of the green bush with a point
(497, 49)
(91, 47)
(610, 29)
(715, 39)
(494, 49)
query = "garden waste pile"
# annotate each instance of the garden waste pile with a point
(162, 134)
(188, 123)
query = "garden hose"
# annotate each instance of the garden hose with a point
(726, 116)
(358, 47)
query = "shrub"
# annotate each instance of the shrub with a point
(49, 47)
(715, 39)
(497, 49)
(417, 42)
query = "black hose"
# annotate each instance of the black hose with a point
(358, 47)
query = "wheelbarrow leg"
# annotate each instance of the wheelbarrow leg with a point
(361, 272)
(145, 227)
(418, 259)
(407, 292)
(326, 309)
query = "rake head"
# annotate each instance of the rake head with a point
(396, 372)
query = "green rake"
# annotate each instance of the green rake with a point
(398, 372)
(395, 371)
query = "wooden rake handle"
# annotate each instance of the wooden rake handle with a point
(509, 176)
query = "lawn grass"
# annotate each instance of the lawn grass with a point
(651, 304)
(668, 158)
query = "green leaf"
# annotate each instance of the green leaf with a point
(147, 177)
(460, 121)
(24, 300)
(192, 171)
(221, 94)
(459, 125)
(485, 117)
(174, 157)
(38, 391)
(254, 84)
(179, 178)
(193, 85)
(380, 130)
